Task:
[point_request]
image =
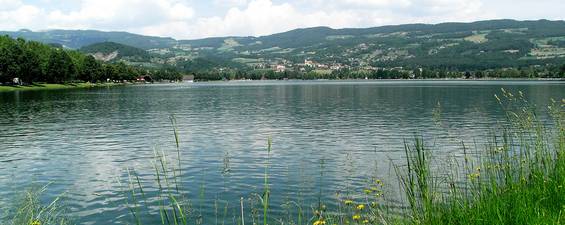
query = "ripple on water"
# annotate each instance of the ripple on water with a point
(82, 141)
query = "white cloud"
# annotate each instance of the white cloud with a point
(9, 4)
(116, 14)
(178, 18)
(96, 14)
(373, 3)
(230, 3)
(15, 15)
(262, 17)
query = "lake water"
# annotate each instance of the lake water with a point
(80, 142)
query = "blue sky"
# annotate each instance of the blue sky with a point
(190, 19)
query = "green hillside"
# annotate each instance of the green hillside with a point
(29, 63)
(120, 51)
(456, 46)
(76, 39)
(483, 45)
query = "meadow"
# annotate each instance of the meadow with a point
(52, 86)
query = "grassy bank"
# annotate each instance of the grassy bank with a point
(518, 177)
(53, 86)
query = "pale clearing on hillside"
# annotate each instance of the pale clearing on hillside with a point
(229, 44)
(477, 38)
(547, 52)
(105, 58)
(338, 37)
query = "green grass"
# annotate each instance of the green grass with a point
(52, 86)
(31, 211)
(517, 178)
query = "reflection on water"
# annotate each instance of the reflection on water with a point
(83, 140)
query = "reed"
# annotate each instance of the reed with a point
(519, 178)
(266, 191)
(32, 211)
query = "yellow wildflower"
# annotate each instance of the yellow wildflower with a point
(35, 222)
(365, 221)
(356, 217)
(348, 202)
(367, 191)
(360, 207)
(320, 222)
(474, 176)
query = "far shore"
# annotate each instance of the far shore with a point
(46, 86)
(34, 87)
(429, 79)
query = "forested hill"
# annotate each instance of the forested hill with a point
(493, 44)
(76, 39)
(111, 51)
(460, 46)
(32, 62)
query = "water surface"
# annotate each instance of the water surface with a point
(82, 141)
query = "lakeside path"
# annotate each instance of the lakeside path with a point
(53, 86)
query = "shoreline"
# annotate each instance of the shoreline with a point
(40, 87)
(431, 79)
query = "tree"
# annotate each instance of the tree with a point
(120, 72)
(11, 58)
(173, 75)
(467, 75)
(30, 64)
(91, 70)
(33, 61)
(5, 57)
(108, 72)
(60, 68)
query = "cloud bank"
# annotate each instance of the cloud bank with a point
(185, 19)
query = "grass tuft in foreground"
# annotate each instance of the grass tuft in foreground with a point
(519, 178)
(31, 211)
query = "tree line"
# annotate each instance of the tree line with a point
(550, 71)
(32, 62)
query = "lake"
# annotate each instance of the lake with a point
(328, 137)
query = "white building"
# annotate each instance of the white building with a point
(280, 68)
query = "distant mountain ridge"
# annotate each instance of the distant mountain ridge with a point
(460, 46)
(76, 39)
